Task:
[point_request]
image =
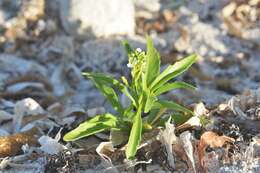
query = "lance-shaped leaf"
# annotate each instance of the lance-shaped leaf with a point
(152, 63)
(159, 104)
(110, 94)
(172, 71)
(95, 125)
(109, 80)
(103, 83)
(174, 85)
(135, 136)
(151, 98)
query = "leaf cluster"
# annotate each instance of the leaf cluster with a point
(146, 110)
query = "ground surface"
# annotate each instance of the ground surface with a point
(41, 61)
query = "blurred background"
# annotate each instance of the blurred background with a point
(46, 44)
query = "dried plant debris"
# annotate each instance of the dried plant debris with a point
(212, 140)
(188, 147)
(184, 152)
(30, 12)
(161, 23)
(62, 162)
(23, 108)
(168, 138)
(50, 146)
(40, 61)
(247, 105)
(20, 82)
(12, 145)
(242, 19)
(103, 150)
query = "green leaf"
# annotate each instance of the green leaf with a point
(129, 113)
(171, 105)
(110, 94)
(172, 86)
(152, 63)
(106, 79)
(127, 47)
(135, 136)
(95, 125)
(109, 81)
(127, 93)
(151, 98)
(172, 71)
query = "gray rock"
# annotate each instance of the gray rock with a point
(100, 18)
(104, 55)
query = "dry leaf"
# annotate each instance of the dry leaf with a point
(168, 138)
(23, 108)
(246, 106)
(30, 11)
(73, 110)
(192, 122)
(104, 150)
(50, 145)
(229, 9)
(12, 145)
(200, 109)
(14, 64)
(56, 108)
(241, 20)
(183, 42)
(212, 140)
(18, 83)
(5, 116)
(24, 85)
(185, 138)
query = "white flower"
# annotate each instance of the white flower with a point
(139, 50)
(130, 65)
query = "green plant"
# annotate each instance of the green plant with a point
(146, 110)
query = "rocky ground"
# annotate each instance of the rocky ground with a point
(46, 44)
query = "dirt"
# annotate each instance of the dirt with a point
(40, 60)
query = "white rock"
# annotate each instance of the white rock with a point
(100, 18)
(150, 5)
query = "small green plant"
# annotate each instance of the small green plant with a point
(146, 110)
